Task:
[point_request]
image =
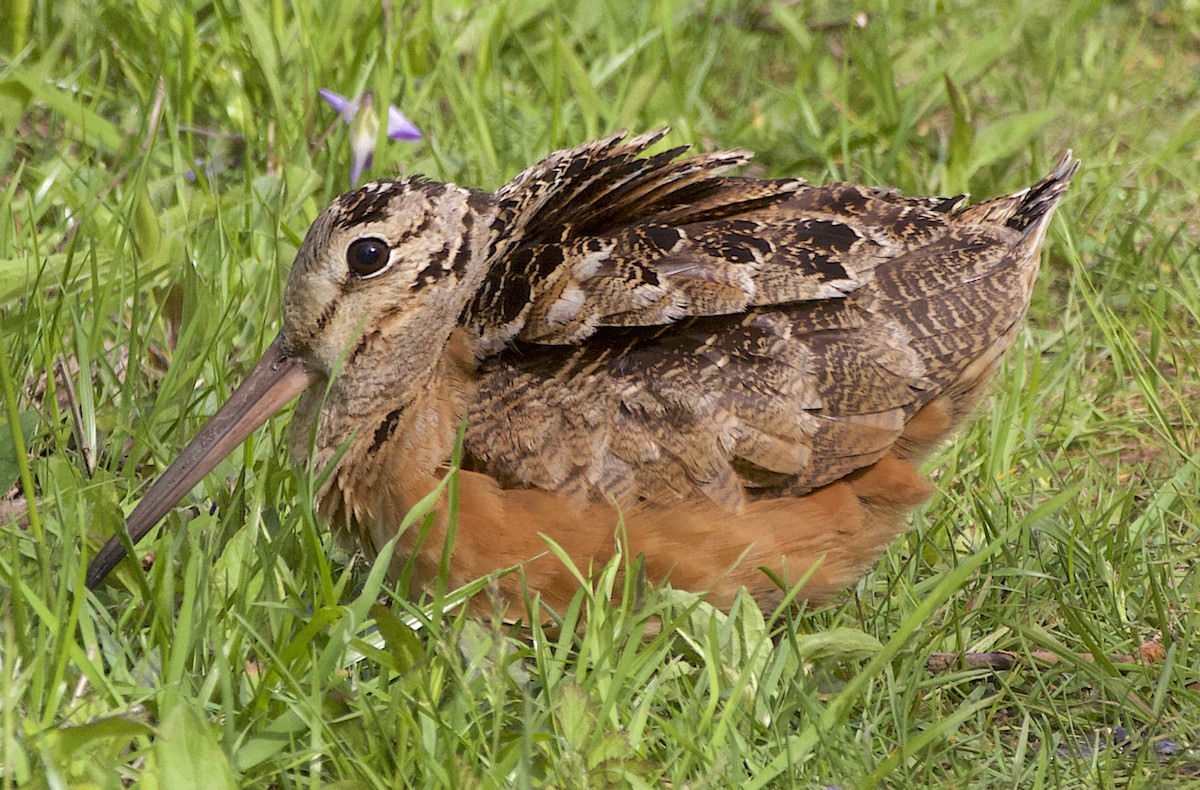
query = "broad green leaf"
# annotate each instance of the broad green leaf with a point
(837, 643)
(189, 756)
(72, 739)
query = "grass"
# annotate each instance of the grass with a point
(134, 298)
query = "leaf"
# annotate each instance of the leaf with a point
(282, 733)
(401, 640)
(1002, 139)
(575, 714)
(10, 469)
(14, 97)
(581, 84)
(838, 643)
(19, 276)
(72, 739)
(66, 103)
(961, 135)
(146, 228)
(188, 754)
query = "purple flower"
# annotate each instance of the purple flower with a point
(364, 127)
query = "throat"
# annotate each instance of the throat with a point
(396, 451)
(419, 432)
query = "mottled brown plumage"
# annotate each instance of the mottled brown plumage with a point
(746, 370)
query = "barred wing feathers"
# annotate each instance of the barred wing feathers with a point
(682, 332)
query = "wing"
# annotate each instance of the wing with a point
(601, 236)
(900, 301)
(766, 403)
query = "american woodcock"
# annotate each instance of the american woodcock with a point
(745, 371)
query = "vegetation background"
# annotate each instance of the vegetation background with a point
(159, 164)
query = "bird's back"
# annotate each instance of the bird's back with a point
(814, 326)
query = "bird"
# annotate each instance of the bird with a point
(733, 378)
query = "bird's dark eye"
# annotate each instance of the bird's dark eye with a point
(367, 257)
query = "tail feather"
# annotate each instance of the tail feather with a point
(1041, 198)
(1029, 210)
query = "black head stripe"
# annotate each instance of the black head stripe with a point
(367, 204)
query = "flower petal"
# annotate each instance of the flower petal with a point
(400, 128)
(341, 105)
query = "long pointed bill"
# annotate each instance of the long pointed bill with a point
(274, 382)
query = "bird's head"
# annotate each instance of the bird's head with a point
(382, 275)
(374, 294)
